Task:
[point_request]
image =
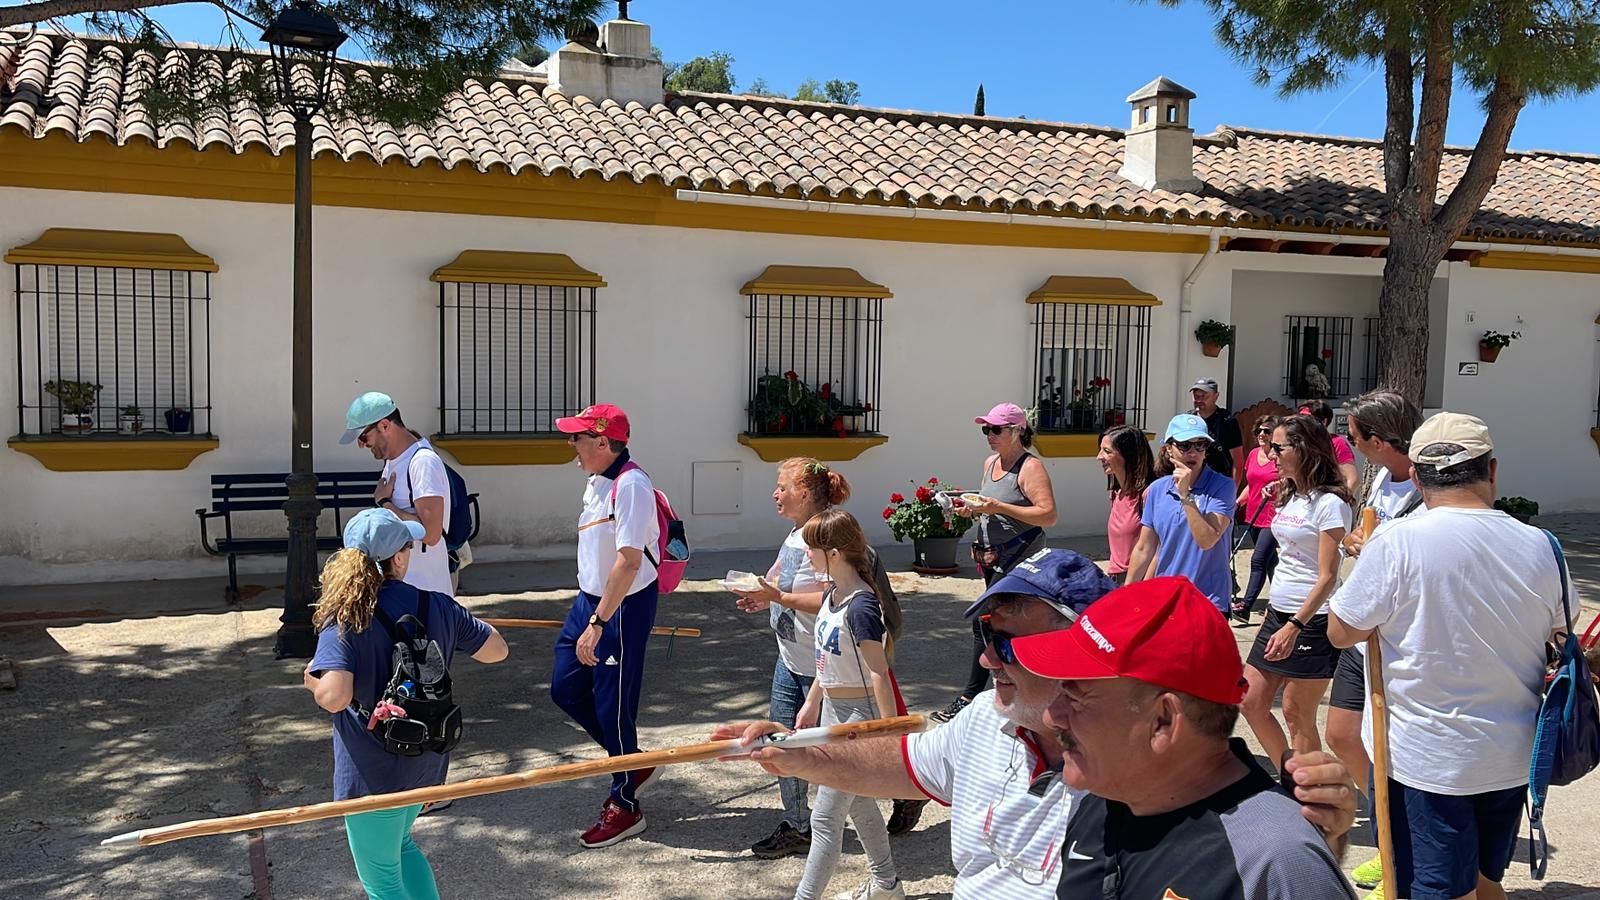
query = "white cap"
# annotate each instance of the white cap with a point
(1467, 432)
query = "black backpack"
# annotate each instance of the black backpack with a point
(420, 685)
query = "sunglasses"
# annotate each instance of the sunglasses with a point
(573, 438)
(1277, 449)
(1000, 641)
(994, 429)
(361, 439)
(1193, 446)
(1263, 431)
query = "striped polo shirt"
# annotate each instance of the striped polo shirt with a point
(1008, 809)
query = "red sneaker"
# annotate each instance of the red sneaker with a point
(615, 824)
(642, 777)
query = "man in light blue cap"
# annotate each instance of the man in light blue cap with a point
(414, 485)
(1188, 515)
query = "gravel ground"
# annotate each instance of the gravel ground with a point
(146, 718)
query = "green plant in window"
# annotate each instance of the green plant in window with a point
(75, 397)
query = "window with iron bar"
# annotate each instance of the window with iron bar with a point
(1316, 360)
(1091, 366)
(816, 364)
(109, 349)
(513, 358)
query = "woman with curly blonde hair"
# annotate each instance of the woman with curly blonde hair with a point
(362, 586)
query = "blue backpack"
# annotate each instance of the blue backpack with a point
(459, 528)
(1566, 743)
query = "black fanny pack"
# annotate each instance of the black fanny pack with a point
(1000, 556)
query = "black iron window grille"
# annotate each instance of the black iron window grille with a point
(816, 364)
(1373, 339)
(1091, 366)
(1316, 361)
(514, 357)
(108, 350)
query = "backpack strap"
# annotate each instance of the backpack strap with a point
(631, 466)
(1566, 603)
(1413, 503)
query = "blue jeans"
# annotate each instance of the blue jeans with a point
(1263, 561)
(788, 695)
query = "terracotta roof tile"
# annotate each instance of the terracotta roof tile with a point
(51, 83)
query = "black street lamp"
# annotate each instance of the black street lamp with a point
(305, 42)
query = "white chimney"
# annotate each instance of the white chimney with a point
(1158, 151)
(616, 64)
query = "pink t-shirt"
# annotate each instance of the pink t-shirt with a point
(1259, 471)
(1122, 530)
(1342, 453)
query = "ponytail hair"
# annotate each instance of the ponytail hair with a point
(350, 582)
(821, 482)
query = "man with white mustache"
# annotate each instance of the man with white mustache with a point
(996, 764)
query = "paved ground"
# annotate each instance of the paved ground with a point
(148, 717)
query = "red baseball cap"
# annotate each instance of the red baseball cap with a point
(1162, 631)
(602, 419)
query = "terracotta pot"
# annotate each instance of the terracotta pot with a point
(1212, 350)
(1488, 354)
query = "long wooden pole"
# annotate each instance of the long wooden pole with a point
(1378, 703)
(665, 630)
(476, 787)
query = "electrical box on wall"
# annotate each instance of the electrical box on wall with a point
(718, 488)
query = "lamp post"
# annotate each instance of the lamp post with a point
(304, 43)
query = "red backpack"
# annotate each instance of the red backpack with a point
(672, 545)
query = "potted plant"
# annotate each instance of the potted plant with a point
(1047, 409)
(785, 404)
(1083, 403)
(1492, 342)
(131, 421)
(1213, 336)
(179, 420)
(76, 399)
(929, 518)
(1520, 508)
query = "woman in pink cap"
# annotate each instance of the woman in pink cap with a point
(1014, 506)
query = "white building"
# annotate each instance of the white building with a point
(929, 265)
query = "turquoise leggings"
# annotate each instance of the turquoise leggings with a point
(388, 862)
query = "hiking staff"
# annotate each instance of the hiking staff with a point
(1379, 704)
(664, 630)
(476, 787)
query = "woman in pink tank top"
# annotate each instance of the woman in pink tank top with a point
(1256, 500)
(1129, 466)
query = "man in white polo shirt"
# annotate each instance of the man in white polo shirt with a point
(413, 486)
(995, 764)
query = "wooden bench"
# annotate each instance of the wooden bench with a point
(248, 493)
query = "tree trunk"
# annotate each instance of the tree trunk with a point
(1403, 312)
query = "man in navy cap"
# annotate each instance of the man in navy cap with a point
(996, 765)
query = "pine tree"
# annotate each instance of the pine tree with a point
(977, 105)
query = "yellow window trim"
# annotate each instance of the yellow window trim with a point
(95, 454)
(1543, 262)
(1091, 289)
(505, 450)
(113, 249)
(513, 267)
(814, 281)
(828, 449)
(1070, 445)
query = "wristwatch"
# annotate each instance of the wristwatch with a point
(1188, 499)
(596, 620)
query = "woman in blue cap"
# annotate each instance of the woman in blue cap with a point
(361, 587)
(1188, 515)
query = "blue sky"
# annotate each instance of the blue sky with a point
(1071, 61)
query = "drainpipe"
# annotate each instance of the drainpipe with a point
(1184, 314)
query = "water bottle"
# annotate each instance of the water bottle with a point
(406, 689)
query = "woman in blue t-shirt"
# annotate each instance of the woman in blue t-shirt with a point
(352, 666)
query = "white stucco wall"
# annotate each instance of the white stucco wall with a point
(957, 340)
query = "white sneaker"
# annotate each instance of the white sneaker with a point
(871, 891)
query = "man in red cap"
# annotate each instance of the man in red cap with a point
(599, 657)
(1150, 684)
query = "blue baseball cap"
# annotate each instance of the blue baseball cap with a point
(1064, 579)
(380, 533)
(1186, 427)
(365, 410)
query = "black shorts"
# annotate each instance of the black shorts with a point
(1349, 682)
(1313, 657)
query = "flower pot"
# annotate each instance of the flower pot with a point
(1210, 349)
(179, 420)
(130, 424)
(1047, 421)
(1488, 354)
(1115, 417)
(1081, 419)
(935, 553)
(77, 424)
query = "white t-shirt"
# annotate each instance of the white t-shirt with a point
(792, 574)
(422, 475)
(1298, 526)
(1464, 600)
(602, 529)
(1390, 497)
(981, 766)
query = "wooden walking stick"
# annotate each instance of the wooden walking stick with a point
(476, 787)
(664, 630)
(1378, 702)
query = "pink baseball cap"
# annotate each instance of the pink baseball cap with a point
(1003, 414)
(602, 419)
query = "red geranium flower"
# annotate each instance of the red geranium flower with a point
(826, 390)
(1327, 354)
(897, 498)
(792, 375)
(924, 495)
(888, 511)
(932, 480)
